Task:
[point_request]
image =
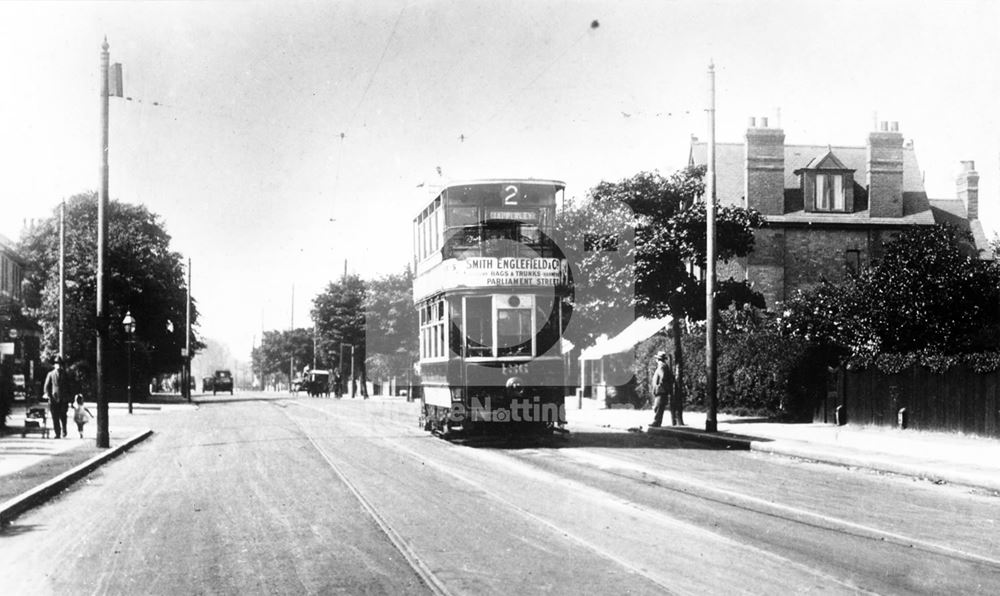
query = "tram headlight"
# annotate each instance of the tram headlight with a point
(515, 386)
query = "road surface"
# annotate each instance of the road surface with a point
(262, 494)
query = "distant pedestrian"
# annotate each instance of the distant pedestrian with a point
(662, 387)
(80, 413)
(56, 389)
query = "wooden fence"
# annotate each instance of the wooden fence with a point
(958, 400)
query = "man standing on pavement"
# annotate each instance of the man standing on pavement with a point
(57, 391)
(663, 387)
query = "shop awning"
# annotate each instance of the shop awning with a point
(640, 330)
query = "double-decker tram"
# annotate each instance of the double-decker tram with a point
(490, 286)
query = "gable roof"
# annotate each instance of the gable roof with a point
(825, 161)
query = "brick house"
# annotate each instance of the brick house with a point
(829, 209)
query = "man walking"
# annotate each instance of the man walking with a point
(57, 390)
(663, 388)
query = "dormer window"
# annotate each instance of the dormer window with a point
(827, 185)
(829, 192)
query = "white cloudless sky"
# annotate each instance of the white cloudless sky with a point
(278, 139)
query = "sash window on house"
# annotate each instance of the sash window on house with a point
(829, 192)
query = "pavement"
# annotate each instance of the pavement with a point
(939, 457)
(34, 468)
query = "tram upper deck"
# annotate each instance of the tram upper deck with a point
(488, 233)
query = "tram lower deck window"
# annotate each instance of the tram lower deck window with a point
(514, 332)
(479, 326)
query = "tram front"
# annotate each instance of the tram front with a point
(491, 288)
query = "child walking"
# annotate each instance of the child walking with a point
(80, 413)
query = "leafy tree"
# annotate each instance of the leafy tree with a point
(597, 238)
(339, 315)
(669, 224)
(391, 334)
(144, 276)
(925, 294)
(278, 349)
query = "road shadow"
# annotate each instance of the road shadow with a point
(228, 399)
(593, 439)
(10, 529)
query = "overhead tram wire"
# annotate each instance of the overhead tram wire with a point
(378, 66)
(541, 73)
(254, 122)
(463, 135)
(364, 95)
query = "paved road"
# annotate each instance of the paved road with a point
(265, 495)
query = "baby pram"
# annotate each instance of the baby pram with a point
(36, 419)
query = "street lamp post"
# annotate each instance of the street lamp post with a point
(128, 323)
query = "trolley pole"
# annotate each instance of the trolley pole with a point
(103, 434)
(711, 424)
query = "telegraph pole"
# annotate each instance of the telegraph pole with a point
(291, 348)
(62, 278)
(103, 434)
(711, 385)
(186, 372)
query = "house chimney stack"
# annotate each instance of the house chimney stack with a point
(967, 185)
(885, 172)
(764, 178)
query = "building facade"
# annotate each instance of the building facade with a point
(830, 209)
(19, 336)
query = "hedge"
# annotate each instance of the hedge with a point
(759, 374)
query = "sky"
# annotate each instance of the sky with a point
(280, 140)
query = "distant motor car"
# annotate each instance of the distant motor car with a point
(223, 381)
(207, 384)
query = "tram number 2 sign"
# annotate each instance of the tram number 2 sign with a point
(510, 195)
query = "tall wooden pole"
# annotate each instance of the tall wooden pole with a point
(62, 279)
(186, 373)
(711, 424)
(103, 435)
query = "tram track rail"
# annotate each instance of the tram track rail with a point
(423, 571)
(631, 468)
(610, 500)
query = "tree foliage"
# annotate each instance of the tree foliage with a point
(925, 294)
(667, 246)
(282, 351)
(339, 315)
(143, 276)
(597, 238)
(391, 332)
(670, 238)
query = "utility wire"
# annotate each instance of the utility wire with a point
(215, 113)
(378, 65)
